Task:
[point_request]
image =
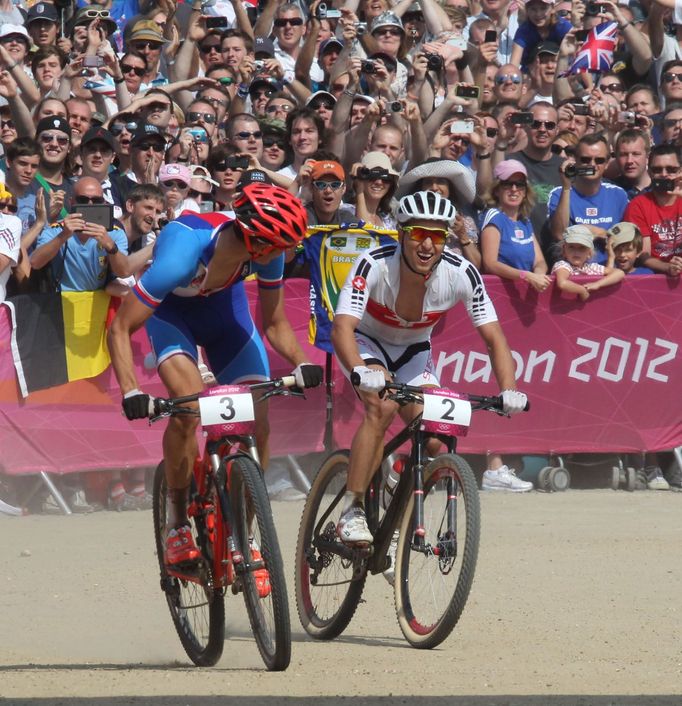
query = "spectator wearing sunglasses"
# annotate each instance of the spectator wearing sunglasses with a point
(8, 131)
(175, 181)
(276, 152)
(226, 165)
(133, 69)
(288, 28)
(375, 181)
(147, 40)
(202, 113)
(586, 198)
(279, 105)
(541, 70)
(209, 50)
(632, 152)
(541, 164)
(98, 149)
(509, 85)
(323, 103)
(328, 182)
(147, 152)
(54, 137)
(243, 131)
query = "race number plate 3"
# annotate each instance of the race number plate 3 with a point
(227, 409)
(445, 412)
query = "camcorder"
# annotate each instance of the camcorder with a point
(572, 171)
(326, 13)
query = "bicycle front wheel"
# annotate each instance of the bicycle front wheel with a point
(328, 587)
(432, 583)
(262, 579)
(197, 608)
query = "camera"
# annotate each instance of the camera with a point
(235, 162)
(198, 134)
(594, 8)
(216, 22)
(490, 36)
(395, 106)
(462, 127)
(434, 62)
(360, 28)
(93, 62)
(627, 116)
(324, 13)
(573, 171)
(663, 184)
(367, 66)
(458, 42)
(467, 91)
(581, 35)
(581, 109)
(521, 118)
(259, 65)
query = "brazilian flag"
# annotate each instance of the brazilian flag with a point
(58, 337)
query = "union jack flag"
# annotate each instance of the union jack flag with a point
(596, 54)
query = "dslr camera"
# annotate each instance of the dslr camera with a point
(434, 62)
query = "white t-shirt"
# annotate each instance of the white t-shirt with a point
(10, 246)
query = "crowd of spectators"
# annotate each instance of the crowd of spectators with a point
(349, 105)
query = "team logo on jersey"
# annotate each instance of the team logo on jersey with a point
(359, 283)
(338, 242)
(518, 234)
(363, 243)
(591, 211)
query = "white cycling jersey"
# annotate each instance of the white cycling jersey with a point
(372, 286)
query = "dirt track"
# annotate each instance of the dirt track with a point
(577, 600)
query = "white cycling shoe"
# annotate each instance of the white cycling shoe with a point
(352, 527)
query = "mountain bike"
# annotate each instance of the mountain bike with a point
(435, 508)
(231, 521)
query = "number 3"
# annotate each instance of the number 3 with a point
(228, 402)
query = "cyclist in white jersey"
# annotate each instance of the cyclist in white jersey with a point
(389, 304)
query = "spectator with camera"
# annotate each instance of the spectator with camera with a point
(584, 197)
(375, 182)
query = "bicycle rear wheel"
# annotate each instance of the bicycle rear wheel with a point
(255, 529)
(432, 587)
(327, 589)
(197, 608)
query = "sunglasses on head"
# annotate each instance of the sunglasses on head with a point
(539, 124)
(128, 68)
(420, 233)
(141, 46)
(93, 14)
(246, 135)
(561, 149)
(373, 174)
(144, 146)
(293, 21)
(11, 207)
(84, 200)
(47, 138)
(591, 160)
(175, 184)
(274, 142)
(208, 48)
(321, 185)
(504, 78)
(195, 117)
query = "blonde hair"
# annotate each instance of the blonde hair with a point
(526, 205)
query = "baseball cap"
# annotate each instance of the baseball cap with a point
(99, 133)
(173, 172)
(146, 29)
(263, 45)
(321, 94)
(579, 234)
(262, 82)
(89, 13)
(145, 130)
(200, 172)
(507, 168)
(622, 233)
(544, 48)
(53, 122)
(378, 160)
(253, 176)
(7, 30)
(331, 42)
(387, 19)
(327, 167)
(42, 11)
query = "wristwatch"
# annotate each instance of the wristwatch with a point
(113, 250)
(119, 80)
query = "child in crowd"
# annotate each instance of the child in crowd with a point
(626, 244)
(577, 249)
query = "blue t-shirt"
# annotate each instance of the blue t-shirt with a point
(516, 240)
(81, 266)
(603, 209)
(528, 37)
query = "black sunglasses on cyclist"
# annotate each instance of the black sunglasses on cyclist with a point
(128, 69)
(195, 117)
(84, 200)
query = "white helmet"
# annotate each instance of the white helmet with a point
(426, 206)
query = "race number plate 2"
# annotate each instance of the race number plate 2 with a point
(227, 409)
(445, 412)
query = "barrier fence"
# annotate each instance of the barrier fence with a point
(602, 375)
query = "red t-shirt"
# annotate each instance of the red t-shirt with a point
(663, 224)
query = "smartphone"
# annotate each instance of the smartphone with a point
(101, 214)
(460, 127)
(490, 36)
(458, 43)
(93, 62)
(521, 118)
(467, 91)
(216, 22)
(663, 184)
(235, 162)
(581, 109)
(581, 35)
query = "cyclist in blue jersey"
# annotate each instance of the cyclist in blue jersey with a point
(181, 313)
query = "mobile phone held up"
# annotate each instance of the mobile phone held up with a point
(490, 36)
(467, 91)
(462, 127)
(663, 184)
(216, 22)
(521, 118)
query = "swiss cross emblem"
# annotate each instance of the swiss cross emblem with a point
(359, 283)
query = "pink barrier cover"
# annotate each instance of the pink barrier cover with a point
(603, 375)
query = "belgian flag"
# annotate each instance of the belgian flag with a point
(58, 337)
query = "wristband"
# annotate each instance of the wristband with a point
(346, 92)
(288, 77)
(523, 275)
(119, 80)
(464, 243)
(483, 156)
(132, 393)
(627, 24)
(113, 250)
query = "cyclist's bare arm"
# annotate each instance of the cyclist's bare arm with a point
(277, 327)
(343, 340)
(500, 355)
(130, 317)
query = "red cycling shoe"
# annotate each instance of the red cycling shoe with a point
(180, 546)
(261, 576)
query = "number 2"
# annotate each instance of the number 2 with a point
(447, 415)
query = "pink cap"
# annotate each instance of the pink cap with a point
(170, 172)
(506, 169)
